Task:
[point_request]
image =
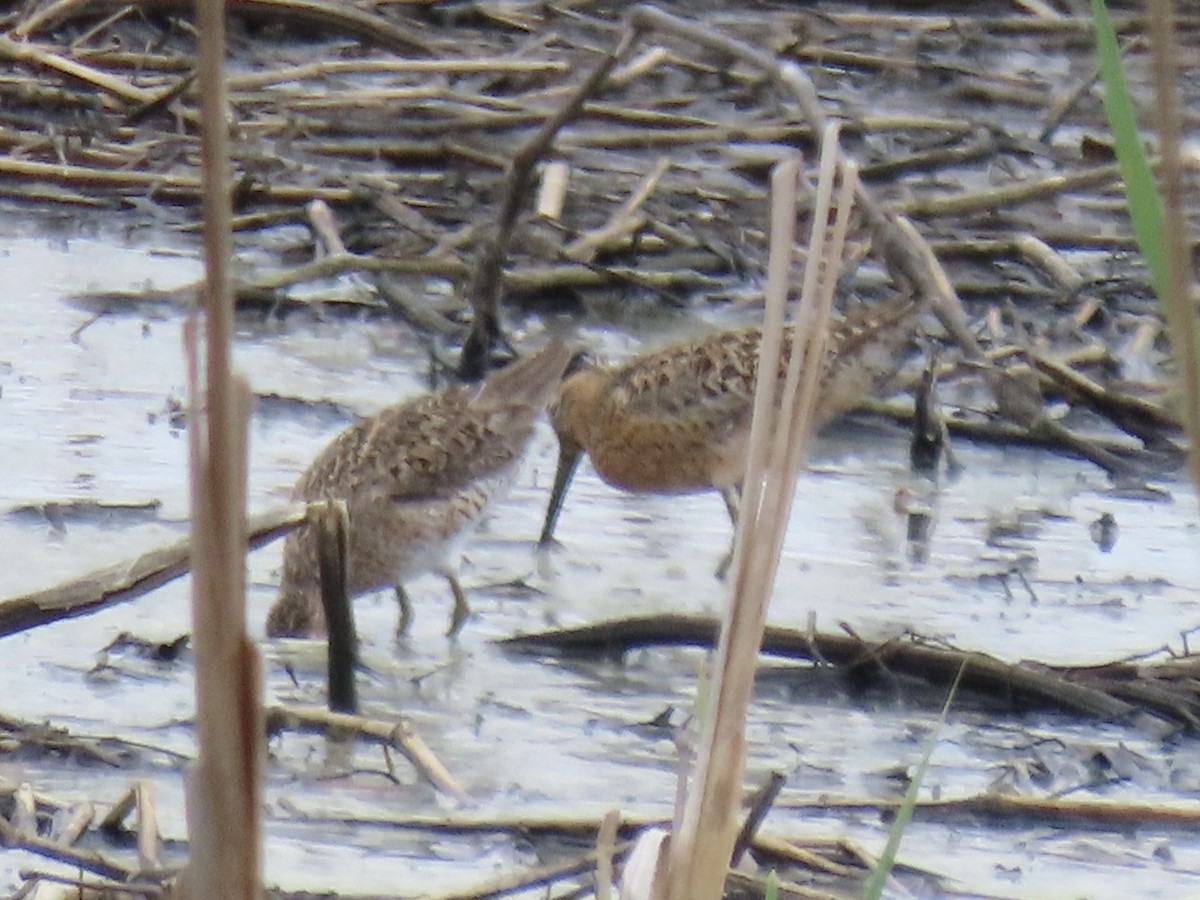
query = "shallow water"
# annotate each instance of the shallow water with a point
(87, 401)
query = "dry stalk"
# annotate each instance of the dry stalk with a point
(606, 842)
(904, 251)
(552, 193)
(704, 837)
(1179, 305)
(148, 839)
(321, 220)
(621, 224)
(399, 735)
(1021, 192)
(483, 291)
(327, 67)
(306, 13)
(225, 787)
(40, 58)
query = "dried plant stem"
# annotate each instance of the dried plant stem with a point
(398, 735)
(1008, 195)
(224, 789)
(483, 291)
(606, 842)
(903, 250)
(704, 837)
(38, 57)
(166, 186)
(1179, 305)
(310, 13)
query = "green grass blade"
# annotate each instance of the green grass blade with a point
(1141, 190)
(873, 889)
(771, 889)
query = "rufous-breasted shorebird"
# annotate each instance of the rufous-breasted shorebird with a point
(416, 478)
(677, 420)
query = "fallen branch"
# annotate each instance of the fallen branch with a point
(399, 735)
(128, 580)
(1088, 692)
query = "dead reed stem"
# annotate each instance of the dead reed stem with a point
(224, 788)
(905, 253)
(483, 290)
(704, 837)
(1179, 305)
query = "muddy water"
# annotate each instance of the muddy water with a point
(87, 401)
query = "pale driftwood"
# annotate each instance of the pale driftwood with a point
(624, 222)
(999, 432)
(1097, 811)
(80, 859)
(552, 191)
(114, 820)
(148, 838)
(270, 287)
(321, 220)
(24, 813)
(1143, 418)
(130, 579)
(399, 735)
(80, 820)
(606, 842)
(1066, 811)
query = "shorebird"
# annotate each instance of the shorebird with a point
(677, 420)
(416, 478)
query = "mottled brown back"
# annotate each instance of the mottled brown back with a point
(431, 446)
(713, 376)
(415, 477)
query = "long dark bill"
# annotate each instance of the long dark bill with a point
(568, 459)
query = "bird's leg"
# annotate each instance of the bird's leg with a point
(462, 609)
(405, 611)
(568, 458)
(732, 495)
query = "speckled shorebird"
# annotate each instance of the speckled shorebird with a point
(676, 420)
(416, 478)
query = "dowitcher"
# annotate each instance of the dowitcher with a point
(416, 478)
(676, 420)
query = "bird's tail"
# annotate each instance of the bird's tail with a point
(531, 381)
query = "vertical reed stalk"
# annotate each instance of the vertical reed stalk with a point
(224, 788)
(704, 836)
(1179, 306)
